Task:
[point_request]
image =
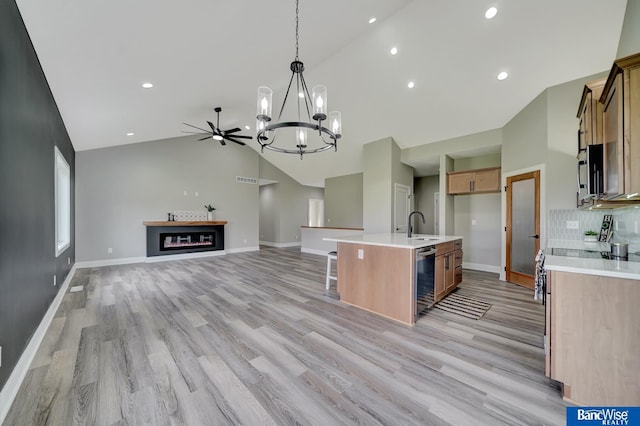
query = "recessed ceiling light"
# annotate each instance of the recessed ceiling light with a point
(394, 50)
(147, 85)
(503, 75)
(491, 12)
(372, 20)
(130, 134)
(411, 85)
(247, 127)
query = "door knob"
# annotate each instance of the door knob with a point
(534, 236)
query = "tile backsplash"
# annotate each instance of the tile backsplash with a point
(625, 229)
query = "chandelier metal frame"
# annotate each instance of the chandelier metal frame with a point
(267, 131)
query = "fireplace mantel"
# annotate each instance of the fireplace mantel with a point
(186, 223)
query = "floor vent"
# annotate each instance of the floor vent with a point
(76, 289)
(249, 180)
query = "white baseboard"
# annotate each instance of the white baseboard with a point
(110, 262)
(243, 249)
(280, 245)
(481, 267)
(314, 251)
(11, 387)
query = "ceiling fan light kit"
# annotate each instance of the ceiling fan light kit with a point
(217, 133)
(315, 103)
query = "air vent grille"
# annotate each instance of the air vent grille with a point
(244, 179)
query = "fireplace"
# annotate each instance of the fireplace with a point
(164, 240)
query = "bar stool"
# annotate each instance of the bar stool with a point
(332, 255)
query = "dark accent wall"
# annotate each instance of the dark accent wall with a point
(30, 127)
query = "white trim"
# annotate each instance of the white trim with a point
(182, 256)
(243, 249)
(314, 251)
(280, 245)
(543, 211)
(11, 387)
(481, 267)
(110, 262)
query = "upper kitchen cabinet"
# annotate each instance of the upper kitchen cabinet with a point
(590, 115)
(474, 181)
(621, 130)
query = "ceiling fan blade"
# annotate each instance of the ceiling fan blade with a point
(236, 141)
(197, 133)
(241, 137)
(196, 127)
(237, 129)
(212, 126)
(208, 137)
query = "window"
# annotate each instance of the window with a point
(63, 202)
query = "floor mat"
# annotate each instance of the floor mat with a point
(463, 305)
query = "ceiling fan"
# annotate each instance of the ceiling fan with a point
(217, 133)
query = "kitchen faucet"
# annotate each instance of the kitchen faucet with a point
(409, 222)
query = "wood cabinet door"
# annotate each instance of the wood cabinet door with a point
(460, 183)
(457, 267)
(450, 270)
(613, 140)
(439, 285)
(487, 181)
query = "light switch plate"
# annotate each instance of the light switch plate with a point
(360, 254)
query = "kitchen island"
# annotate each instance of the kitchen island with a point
(378, 272)
(592, 335)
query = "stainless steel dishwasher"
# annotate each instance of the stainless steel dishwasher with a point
(424, 279)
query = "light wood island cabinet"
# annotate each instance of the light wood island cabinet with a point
(377, 272)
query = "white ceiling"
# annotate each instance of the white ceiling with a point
(202, 54)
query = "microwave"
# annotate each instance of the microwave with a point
(590, 173)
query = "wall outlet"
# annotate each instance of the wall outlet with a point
(109, 250)
(360, 254)
(196, 194)
(54, 280)
(573, 224)
(473, 222)
(328, 220)
(185, 193)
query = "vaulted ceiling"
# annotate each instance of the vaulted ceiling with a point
(202, 54)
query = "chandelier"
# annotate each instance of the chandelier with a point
(316, 102)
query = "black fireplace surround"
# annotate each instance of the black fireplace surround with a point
(164, 240)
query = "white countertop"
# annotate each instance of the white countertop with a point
(398, 240)
(578, 265)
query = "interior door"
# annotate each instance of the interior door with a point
(523, 227)
(401, 200)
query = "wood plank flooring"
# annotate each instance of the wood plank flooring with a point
(254, 339)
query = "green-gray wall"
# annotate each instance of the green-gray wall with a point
(121, 187)
(476, 219)
(343, 201)
(630, 36)
(424, 188)
(382, 169)
(283, 206)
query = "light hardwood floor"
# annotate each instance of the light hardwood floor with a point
(253, 339)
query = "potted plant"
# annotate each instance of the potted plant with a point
(210, 210)
(590, 235)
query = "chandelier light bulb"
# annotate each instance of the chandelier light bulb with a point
(264, 103)
(301, 137)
